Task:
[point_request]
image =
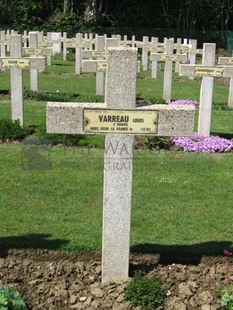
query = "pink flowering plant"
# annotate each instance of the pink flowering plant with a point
(185, 102)
(200, 143)
(227, 289)
(203, 144)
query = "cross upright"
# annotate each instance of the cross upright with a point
(99, 65)
(168, 57)
(96, 65)
(120, 120)
(228, 61)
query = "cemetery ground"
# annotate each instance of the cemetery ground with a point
(51, 219)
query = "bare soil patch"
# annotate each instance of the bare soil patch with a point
(54, 280)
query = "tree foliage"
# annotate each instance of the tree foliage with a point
(174, 14)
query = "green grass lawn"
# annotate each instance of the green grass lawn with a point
(180, 200)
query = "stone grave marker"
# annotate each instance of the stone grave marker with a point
(192, 51)
(25, 39)
(178, 51)
(56, 40)
(207, 71)
(119, 120)
(64, 47)
(3, 43)
(168, 57)
(16, 63)
(45, 45)
(227, 61)
(154, 64)
(145, 50)
(33, 44)
(99, 65)
(78, 52)
(96, 63)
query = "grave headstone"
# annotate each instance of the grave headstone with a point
(25, 38)
(168, 57)
(64, 48)
(99, 65)
(3, 43)
(207, 71)
(56, 39)
(16, 63)
(178, 51)
(78, 53)
(33, 44)
(145, 51)
(119, 120)
(154, 63)
(227, 61)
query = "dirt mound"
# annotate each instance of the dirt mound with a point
(53, 280)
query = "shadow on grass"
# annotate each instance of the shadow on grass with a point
(178, 254)
(228, 136)
(30, 241)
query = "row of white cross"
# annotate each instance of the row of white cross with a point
(208, 70)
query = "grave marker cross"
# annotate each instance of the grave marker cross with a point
(120, 120)
(207, 71)
(16, 63)
(227, 61)
(168, 57)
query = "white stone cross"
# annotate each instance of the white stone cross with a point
(207, 71)
(96, 65)
(154, 64)
(168, 57)
(119, 120)
(99, 65)
(3, 43)
(192, 51)
(145, 51)
(16, 63)
(227, 61)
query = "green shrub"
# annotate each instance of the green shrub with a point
(158, 143)
(11, 130)
(145, 291)
(220, 106)
(55, 139)
(70, 54)
(221, 52)
(153, 100)
(10, 299)
(60, 97)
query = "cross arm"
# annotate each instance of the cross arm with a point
(173, 120)
(93, 54)
(187, 70)
(225, 60)
(25, 63)
(93, 65)
(202, 71)
(67, 118)
(164, 57)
